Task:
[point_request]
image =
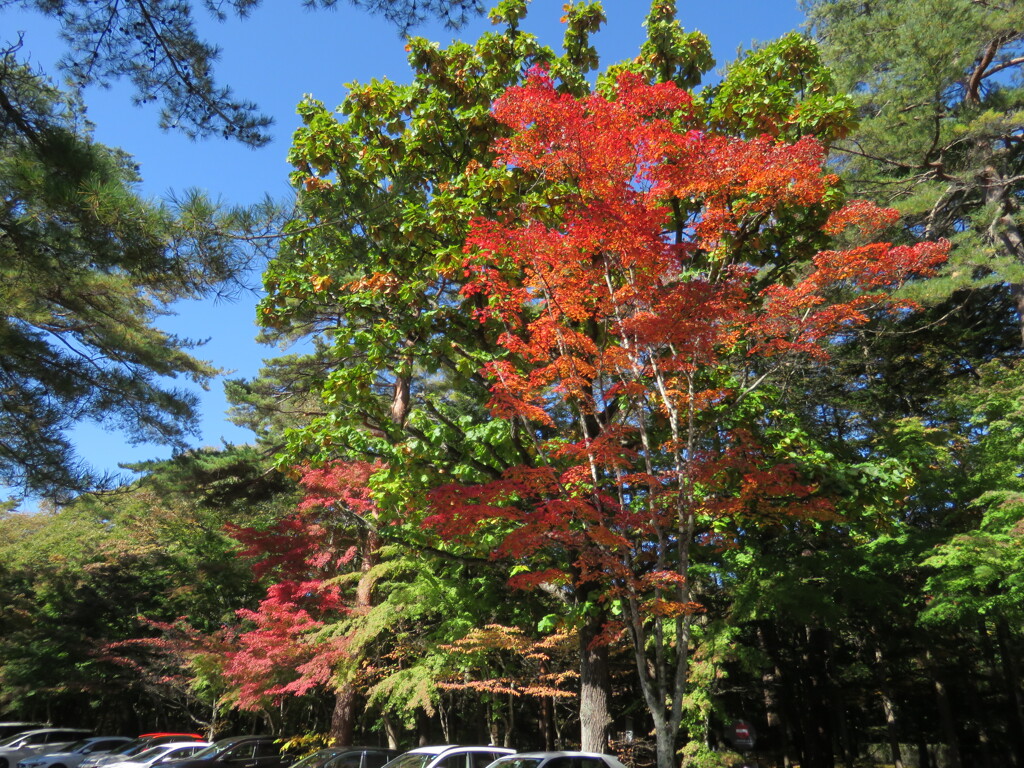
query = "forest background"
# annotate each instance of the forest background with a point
(828, 545)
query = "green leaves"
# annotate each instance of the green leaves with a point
(87, 266)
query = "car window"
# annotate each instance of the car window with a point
(348, 760)
(316, 760)
(481, 759)
(103, 746)
(214, 749)
(241, 751)
(126, 748)
(376, 759)
(451, 761)
(149, 754)
(411, 760)
(559, 762)
(266, 749)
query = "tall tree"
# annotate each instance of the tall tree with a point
(642, 337)
(370, 265)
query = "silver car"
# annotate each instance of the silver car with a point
(161, 753)
(73, 754)
(557, 760)
(22, 745)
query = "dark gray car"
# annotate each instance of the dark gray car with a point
(237, 752)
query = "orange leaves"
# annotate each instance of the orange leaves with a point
(591, 140)
(379, 282)
(484, 648)
(863, 215)
(671, 609)
(636, 317)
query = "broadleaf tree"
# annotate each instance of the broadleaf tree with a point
(639, 352)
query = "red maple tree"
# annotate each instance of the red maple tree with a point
(284, 651)
(642, 327)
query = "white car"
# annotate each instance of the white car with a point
(557, 760)
(73, 754)
(162, 753)
(22, 745)
(447, 756)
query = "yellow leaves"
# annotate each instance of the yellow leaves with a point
(321, 282)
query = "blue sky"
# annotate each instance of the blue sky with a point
(274, 57)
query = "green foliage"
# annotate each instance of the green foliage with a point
(94, 575)
(940, 106)
(978, 572)
(782, 89)
(87, 267)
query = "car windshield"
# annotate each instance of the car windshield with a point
(135, 749)
(76, 745)
(10, 739)
(125, 748)
(214, 749)
(411, 760)
(317, 759)
(147, 754)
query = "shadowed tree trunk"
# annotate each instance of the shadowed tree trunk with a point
(595, 687)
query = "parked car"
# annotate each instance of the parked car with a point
(160, 754)
(137, 745)
(237, 752)
(557, 760)
(73, 754)
(22, 745)
(448, 756)
(348, 757)
(8, 729)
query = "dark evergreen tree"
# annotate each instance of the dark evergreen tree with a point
(86, 267)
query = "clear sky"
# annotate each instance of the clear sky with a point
(274, 57)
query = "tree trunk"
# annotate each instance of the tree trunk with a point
(945, 708)
(595, 687)
(546, 716)
(1012, 679)
(343, 718)
(778, 737)
(391, 731)
(818, 750)
(891, 729)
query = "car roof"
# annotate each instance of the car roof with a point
(561, 753)
(438, 749)
(174, 744)
(56, 730)
(610, 759)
